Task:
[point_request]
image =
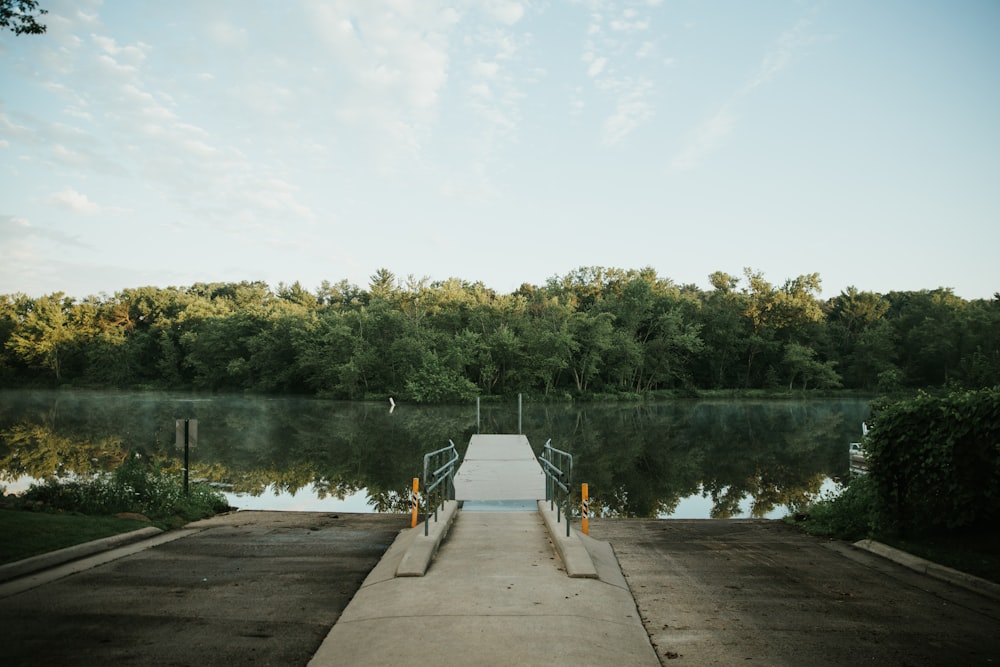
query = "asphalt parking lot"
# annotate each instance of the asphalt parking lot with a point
(265, 588)
(760, 592)
(260, 588)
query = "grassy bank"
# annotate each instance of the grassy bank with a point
(27, 534)
(61, 513)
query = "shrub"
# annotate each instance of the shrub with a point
(135, 486)
(851, 515)
(936, 460)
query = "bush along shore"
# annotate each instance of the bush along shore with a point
(933, 483)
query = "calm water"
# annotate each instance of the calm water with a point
(682, 459)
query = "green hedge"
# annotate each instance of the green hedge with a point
(936, 460)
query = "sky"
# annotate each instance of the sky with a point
(159, 143)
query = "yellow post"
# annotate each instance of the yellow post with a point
(585, 522)
(415, 502)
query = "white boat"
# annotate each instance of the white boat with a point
(857, 453)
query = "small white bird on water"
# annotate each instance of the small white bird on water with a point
(392, 405)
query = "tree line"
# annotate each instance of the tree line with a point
(594, 331)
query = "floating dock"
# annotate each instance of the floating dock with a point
(499, 468)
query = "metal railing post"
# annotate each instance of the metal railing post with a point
(519, 431)
(558, 468)
(439, 477)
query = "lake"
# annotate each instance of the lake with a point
(668, 459)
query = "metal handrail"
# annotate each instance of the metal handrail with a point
(558, 467)
(439, 468)
(479, 424)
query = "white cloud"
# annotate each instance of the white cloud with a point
(713, 131)
(778, 58)
(708, 136)
(227, 35)
(645, 50)
(632, 110)
(276, 196)
(596, 67)
(485, 69)
(18, 231)
(481, 90)
(11, 226)
(74, 201)
(629, 23)
(506, 12)
(613, 34)
(389, 70)
(12, 129)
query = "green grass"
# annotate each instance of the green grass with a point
(27, 534)
(68, 512)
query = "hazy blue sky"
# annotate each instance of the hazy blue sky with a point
(167, 143)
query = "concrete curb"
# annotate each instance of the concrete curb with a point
(967, 581)
(421, 548)
(44, 561)
(572, 551)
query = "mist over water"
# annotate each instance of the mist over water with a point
(682, 459)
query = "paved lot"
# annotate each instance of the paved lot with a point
(259, 588)
(759, 592)
(265, 588)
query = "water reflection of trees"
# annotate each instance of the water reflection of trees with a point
(642, 461)
(251, 445)
(36, 450)
(639, 460)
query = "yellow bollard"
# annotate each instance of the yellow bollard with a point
(415, 502)
(585, 521)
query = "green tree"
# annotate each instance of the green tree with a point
(296, 294)
(669, 351)
(12, 311)
(761, 312)
(801, 364)
(342, 294)
(725, 332)
(435, 382)
(592, 337)
(548, 345)
(777, 316)
(861, 336)
(19, 17)
(930, 329)
(382, 284)
(45, 335)
(274, 353)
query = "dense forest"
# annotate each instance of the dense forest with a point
(595, 331)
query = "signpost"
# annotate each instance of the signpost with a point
(186, 436)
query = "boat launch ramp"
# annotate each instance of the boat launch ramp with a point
(502, 587)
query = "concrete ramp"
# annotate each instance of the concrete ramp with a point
(496, 595)
(499, 468)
